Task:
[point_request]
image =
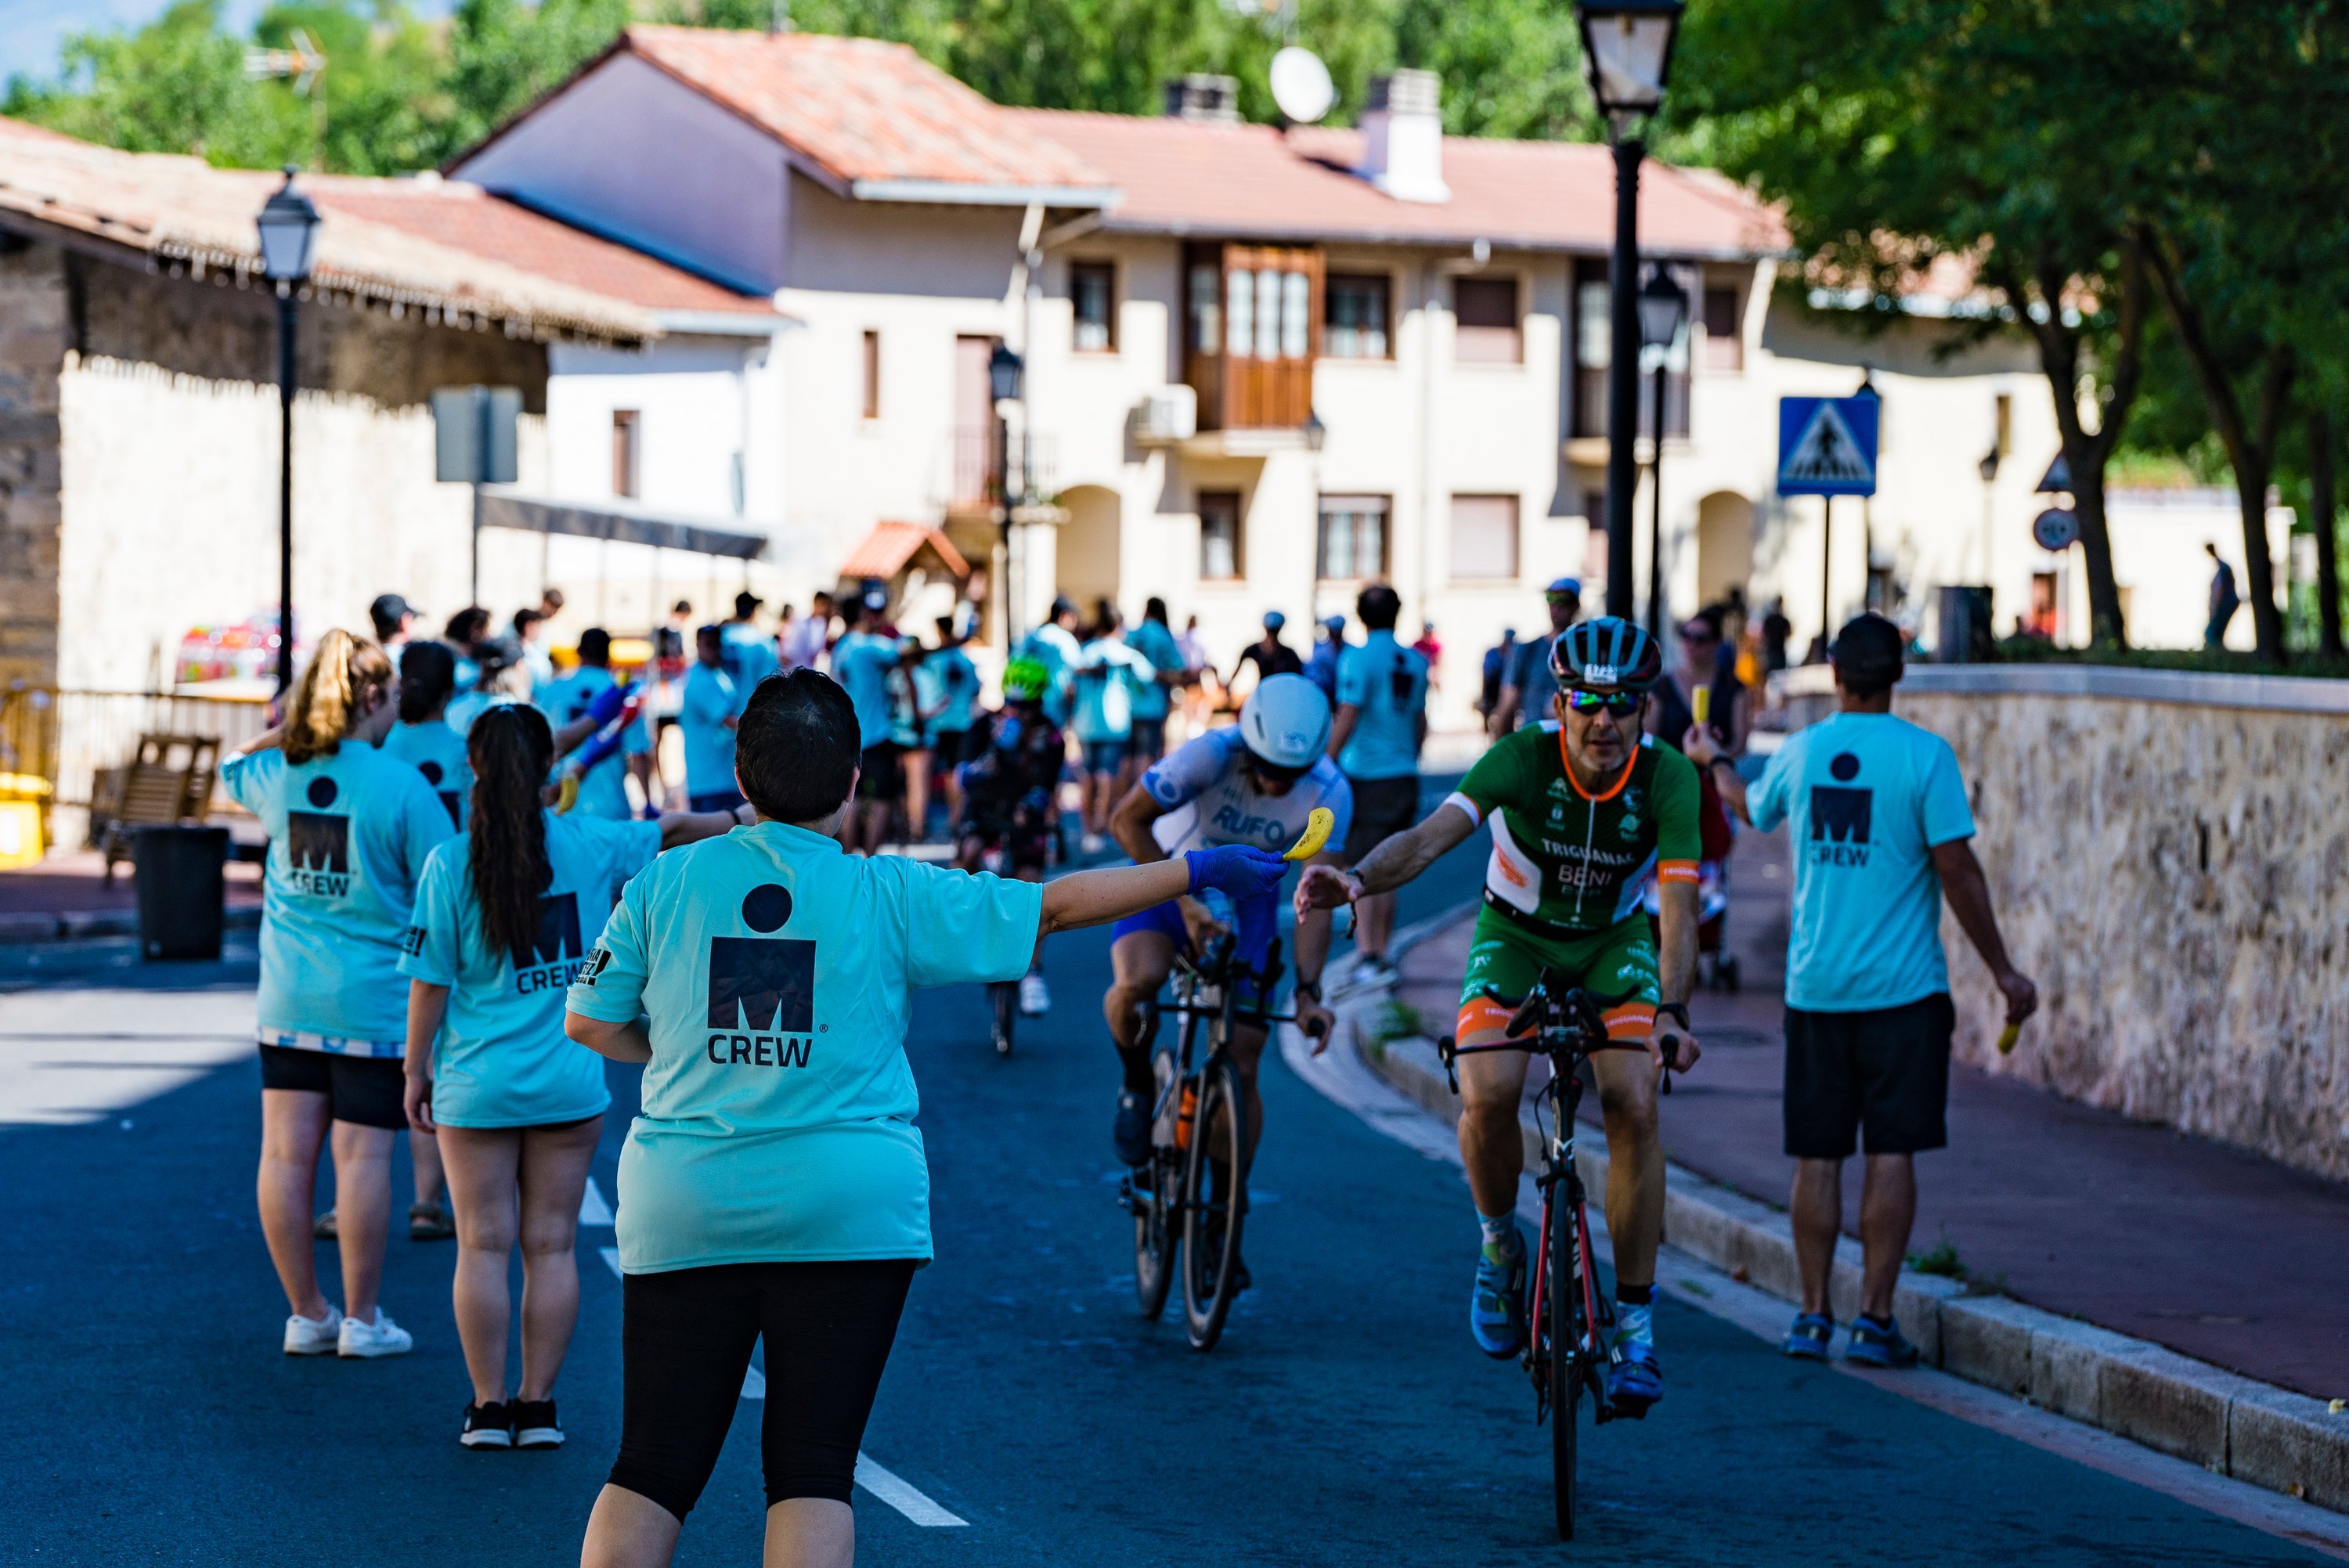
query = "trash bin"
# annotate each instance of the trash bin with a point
(1965, 637)
(182, 890)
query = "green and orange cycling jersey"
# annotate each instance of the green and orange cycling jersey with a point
(1566, 861)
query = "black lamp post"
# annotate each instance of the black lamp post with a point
(289, 233)
(1004, 370)
(1663, 307)
(1627, 53)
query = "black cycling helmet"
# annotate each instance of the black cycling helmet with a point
(1608, 653)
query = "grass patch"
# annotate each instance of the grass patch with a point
(2031, 651)
(1941, 1260)
(1395, 1021)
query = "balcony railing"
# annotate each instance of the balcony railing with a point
(976, 480)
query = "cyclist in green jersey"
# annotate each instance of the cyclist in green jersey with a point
(1582, 811)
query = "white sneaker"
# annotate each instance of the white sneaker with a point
(313, 1336)
(1035, 996)
(366, 1340)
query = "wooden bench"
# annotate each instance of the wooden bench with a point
(169, 780)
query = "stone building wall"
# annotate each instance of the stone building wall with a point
(33, 327)
(2169, 855)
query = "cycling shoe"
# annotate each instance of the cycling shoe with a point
(1131, 1132)
(1634, 1381)
(1496, 1307)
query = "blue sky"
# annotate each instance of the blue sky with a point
(30, 29)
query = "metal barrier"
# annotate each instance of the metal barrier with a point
(73, 739)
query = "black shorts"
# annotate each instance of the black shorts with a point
(946, 748)
(685, 1342)
(881, 779)
(1106, 756)
(1885, 1070)
(1382, 808)
(366, 1091)
(1148, 740)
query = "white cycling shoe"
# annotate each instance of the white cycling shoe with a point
(1035, 996)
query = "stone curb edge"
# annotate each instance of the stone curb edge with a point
(82, 925)
(2173, 1404)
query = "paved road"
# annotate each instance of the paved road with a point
(1345, 1418)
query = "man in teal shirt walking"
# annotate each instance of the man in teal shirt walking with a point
(1381, 724)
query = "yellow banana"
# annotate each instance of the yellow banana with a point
(2006, 1038)
(566, 794)
(1317, 833)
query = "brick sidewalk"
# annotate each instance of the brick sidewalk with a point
(2216, 1253)
(75, 883)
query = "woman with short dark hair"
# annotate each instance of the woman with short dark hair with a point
(775, 1184)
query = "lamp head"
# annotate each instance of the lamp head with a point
(1663, 307)
(1627, 54)
(1004, 370)
(289, 233)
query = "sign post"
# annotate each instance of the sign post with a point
(473, 442)
(1826, 448)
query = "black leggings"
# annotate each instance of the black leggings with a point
(684, 1343)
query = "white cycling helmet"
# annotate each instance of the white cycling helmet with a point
(1285, 722)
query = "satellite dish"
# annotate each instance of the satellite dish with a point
(1301, 85)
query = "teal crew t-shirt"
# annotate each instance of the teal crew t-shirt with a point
(1869, 797)
(1154, 642)
(710, 699)
(438, 752)
(503, 1059)
(778, 1109)
(348, 835)
(1387, 684)
(861, 663)
(603, 789)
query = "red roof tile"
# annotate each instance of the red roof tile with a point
(1183, 177)
(884, 551)
(863, 111)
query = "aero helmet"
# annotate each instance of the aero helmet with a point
(1608, 653)
(1285, 722)
(1023, 680)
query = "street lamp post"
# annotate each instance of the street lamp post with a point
(289, 231)
(1663, 307)
(1004, 370)
(1627, 53)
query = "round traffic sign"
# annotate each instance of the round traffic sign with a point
(2055, 529)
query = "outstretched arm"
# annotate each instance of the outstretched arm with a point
(1394, 862)
(1112, 892)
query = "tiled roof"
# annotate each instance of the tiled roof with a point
(884, 551)
(420, 244)
(1183, 177)
(867, 115)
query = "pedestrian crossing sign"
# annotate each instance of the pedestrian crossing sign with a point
(1827, 445)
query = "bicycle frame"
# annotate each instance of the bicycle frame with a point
(1218, 971)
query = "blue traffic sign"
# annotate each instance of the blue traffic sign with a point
(1827, 445)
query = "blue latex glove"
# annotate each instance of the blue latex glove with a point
(1237, 870)
(608, 704)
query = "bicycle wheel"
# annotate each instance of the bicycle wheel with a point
(1005, 995)
(1154, 1234)
(1567, 1361)
(1211, 1220)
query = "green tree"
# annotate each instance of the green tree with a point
(177, 85)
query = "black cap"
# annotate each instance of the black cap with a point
(1867, 652)
(389, 608)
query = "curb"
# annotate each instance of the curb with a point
(2231, 1425)
(82, 925)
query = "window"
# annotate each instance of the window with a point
(1356, 316)
(872, 375)
(1725, 337)
(1219, 535)
(2003, 439)
(1487, 310)
(1484, 537)
(1093, 296)
(624, 452)
(1269, 334)
(1241, 338)
(1353, 543)
(1594, 355)
(1207, 307)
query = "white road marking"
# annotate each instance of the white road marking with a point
(903, 1495)
(1344, 1079)
(611, 1256)
(69, 1058)
(754, 1382)
(593, 1210)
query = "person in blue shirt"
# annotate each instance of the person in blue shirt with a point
(707, 712)
(504, 919)
(1528, 687)
(954, 727)
(1381, 724)
(349, 827)
(1107, 673)
(774, 1184)
(861, 662)
(1054, 646)
(1881, 835)
(602, 788)
(750, 649)
(1321, 669)
(1154, 639)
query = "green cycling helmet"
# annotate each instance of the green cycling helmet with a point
(1024, 680)
(1608, 653)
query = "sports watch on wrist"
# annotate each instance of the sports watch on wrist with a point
(1676, 1010)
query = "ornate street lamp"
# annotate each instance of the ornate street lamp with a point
(289, 233)
(1627, 54)
(1662, 308)
(1005, 371)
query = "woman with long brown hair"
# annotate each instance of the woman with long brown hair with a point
(504, 918)
(349, 827)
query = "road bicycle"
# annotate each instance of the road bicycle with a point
(1570, 1321)
(1191, 1199)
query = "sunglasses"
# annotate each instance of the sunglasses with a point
(1620, 704)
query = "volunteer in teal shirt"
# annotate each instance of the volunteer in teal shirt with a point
(1881, 834)
(1155, 641)
(422, 738)
(349, 827)
(1380, 724)
(603, 789)
(505, 919)
(707, 713)
(774, 1184)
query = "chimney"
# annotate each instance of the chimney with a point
(1204, 99)
(1402, 136)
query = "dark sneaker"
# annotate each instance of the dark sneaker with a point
(1497, 1306)
(1807, 1340)
(1130, 1132)
(322, 1225)
(1215, 1244)
(488, 1426)
(1875, 1343)
(534, 1426)
(1634, 1381)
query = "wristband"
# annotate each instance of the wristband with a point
(1721, 757)
(1309, 989)
(1676, 1010)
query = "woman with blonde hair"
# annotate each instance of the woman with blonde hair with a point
(504, 917)
(349, 827)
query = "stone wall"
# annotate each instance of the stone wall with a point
(32, 326)
(2168, 855)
